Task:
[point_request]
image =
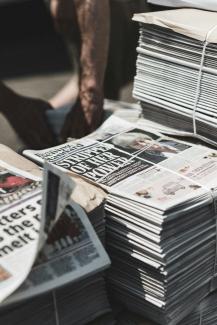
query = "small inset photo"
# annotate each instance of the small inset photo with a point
(4, 275)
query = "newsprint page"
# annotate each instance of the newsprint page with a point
(47, 239)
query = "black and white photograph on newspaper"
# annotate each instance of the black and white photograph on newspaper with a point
(148, 145)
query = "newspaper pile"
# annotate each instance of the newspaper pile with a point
(177, 70)
(204, 314)
(51, 259)
(161, 216)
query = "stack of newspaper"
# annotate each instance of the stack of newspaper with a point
(161, 216)
(205, 313)
(177, 70)
(51, 259)
(79, 303)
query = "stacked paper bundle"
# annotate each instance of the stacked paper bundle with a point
(64, 284)
(177, 70)
(161, 218)
(204, 314)
(79, 303)
(162, 257)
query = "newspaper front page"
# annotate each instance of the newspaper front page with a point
(123, 159)
(72, 250)
(20, 226)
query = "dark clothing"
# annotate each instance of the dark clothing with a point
(121, 67)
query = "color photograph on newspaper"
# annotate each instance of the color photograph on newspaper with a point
(14, 187)
(4, 274)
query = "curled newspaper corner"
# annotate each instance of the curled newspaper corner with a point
(72, 250)
(58, 188)
(21, 226)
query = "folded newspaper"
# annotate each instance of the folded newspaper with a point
(177, 70)
(66, 251)
(161, 216)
